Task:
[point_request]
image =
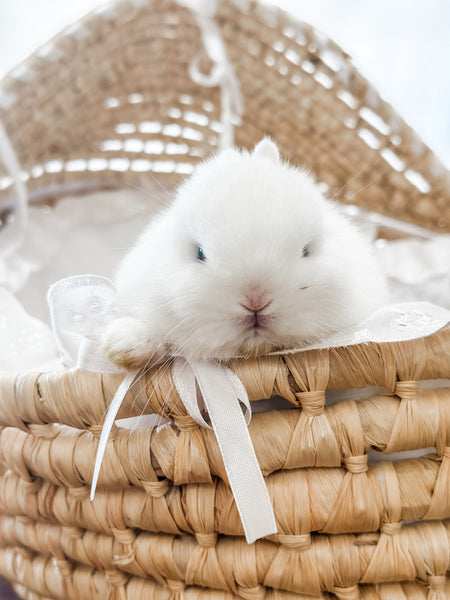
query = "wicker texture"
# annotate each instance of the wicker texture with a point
(164, 524)
(171, 481)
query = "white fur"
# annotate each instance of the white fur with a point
(252, 215)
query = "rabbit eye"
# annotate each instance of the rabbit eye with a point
(201, 256)
(306, 251)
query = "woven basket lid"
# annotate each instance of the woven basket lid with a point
(111, 98)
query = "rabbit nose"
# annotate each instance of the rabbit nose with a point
(256, 299)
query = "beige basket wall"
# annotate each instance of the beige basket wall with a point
(163, 497)
(163, 524)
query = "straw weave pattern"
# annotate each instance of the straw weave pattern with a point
(104, 102)
(165, 513)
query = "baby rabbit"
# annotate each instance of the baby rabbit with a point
(249, 257)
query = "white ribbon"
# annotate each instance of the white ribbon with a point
(222, 74)
(113, 409)
(391, 323)
(221, 391)
(80, 309)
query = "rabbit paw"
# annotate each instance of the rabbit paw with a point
(126, 344)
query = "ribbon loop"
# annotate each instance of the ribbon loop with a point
(80, 309)
(222, 394)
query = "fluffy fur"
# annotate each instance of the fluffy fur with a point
(283, 266)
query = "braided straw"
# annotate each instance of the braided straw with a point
(105, 101)
(225, 567)
(332, 500)
(280, 438)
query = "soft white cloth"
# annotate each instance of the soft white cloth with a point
(82, 234)
(26, 343)
(417, 269)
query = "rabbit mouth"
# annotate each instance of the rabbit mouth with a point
(256, 322)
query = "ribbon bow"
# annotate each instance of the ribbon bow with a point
(80, 308)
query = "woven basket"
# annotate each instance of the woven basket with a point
(112, 97)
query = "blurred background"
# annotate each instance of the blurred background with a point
(402, 47)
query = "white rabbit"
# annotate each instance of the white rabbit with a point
(249, 257)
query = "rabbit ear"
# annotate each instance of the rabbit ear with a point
(267, 149)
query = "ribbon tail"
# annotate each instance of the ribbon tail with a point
(184, 379)
(247, 483)
(107, 426)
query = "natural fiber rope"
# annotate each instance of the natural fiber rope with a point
(327, 500)
(139, 456)
(90, 584)
(304, 571)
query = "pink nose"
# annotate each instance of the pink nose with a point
(256, 299)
